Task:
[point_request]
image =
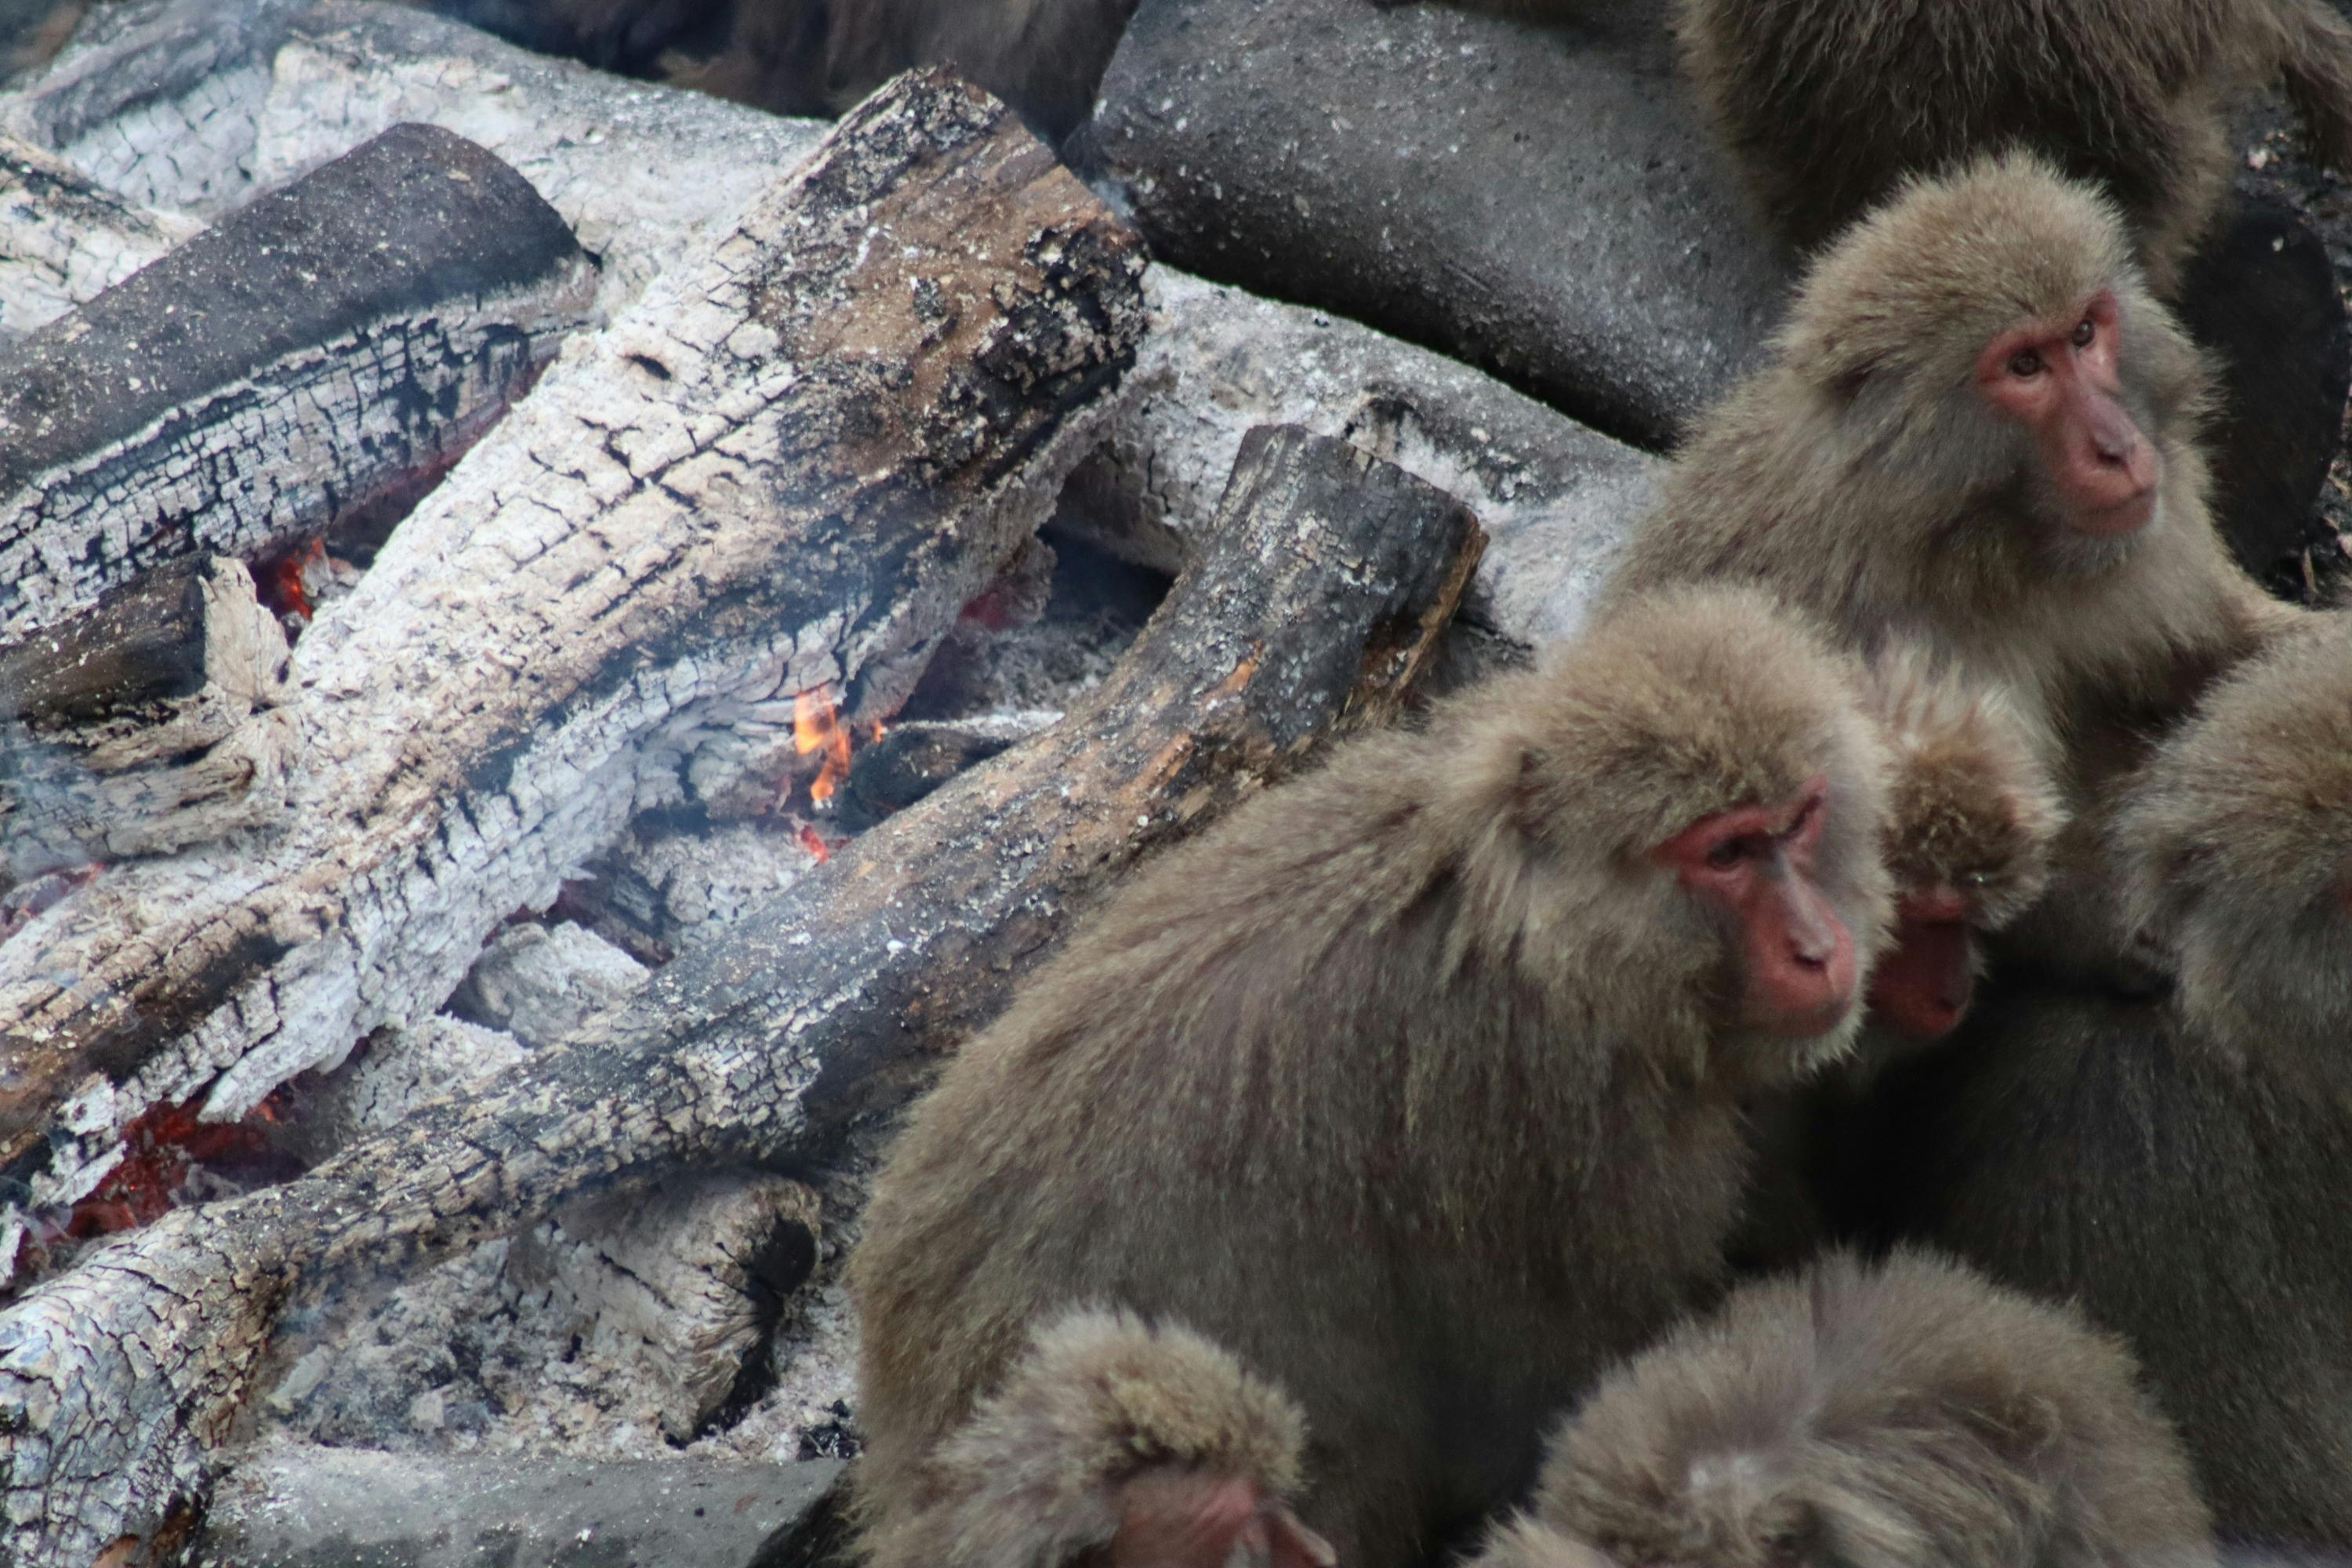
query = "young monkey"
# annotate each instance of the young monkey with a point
(2183, 1168)
(1972, 818)
(1115, 1443)
(1900, 1415)
(1416, 1083)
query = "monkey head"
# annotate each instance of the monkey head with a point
(1705, 793)
(1113, 1443)
(2237, 840)
(1888, 1416)
(1988, 333)
(1972, 819)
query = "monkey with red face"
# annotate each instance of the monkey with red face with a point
(1416, 1084)
(1977, 434)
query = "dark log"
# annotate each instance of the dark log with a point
(785, 472)
(326, 342)
(1321, 594)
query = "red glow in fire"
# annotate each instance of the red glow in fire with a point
(816, 727)
(163, 1147)
(813, 842)
(278, 585)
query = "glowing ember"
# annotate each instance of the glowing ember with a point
(813, 842)
(163, 1149)
(282, 585)
(816, 727)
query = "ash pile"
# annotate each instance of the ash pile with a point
(564, 639)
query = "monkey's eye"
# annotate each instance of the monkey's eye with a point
(2026, 363)
(1974, 881)
(1729, 852)
(2085, 331)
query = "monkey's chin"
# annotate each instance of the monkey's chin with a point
(2071, 553)
(1781, 1058)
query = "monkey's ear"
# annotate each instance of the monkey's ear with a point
(1290, 1544)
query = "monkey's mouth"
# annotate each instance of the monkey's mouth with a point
(2119, 517)
(1921, 990)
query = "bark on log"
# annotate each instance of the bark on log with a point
(131, 730)
(63, 238)
(315, 349)
(786, 473)
(1329, 576)
(204, 104)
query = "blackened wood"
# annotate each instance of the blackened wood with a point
(1319, 597)
(325, 342)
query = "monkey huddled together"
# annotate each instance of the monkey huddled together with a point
(1844, 1063)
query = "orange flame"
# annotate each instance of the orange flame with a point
(816, 727)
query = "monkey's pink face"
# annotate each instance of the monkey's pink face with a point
(1754, 866)
(1922, 987)
(2061, 382)
(1199, 1519)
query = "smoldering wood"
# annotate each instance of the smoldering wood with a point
(195, 106)
(147, 723)
(1330, 577)
(677, 1286)
(64, 237)
(315, 348)
(783, 475)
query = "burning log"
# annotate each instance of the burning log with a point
(787, 471)
(63, 238)
(316, 348)
(1318, 599)
(128, 731)
(203, 105)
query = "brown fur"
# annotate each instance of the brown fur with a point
(1034, 1478)
(1405, 1084)
(2185, 1169)
(1045, 58)
(1971, 804)
(1906, 1415)
(1828, 104)
(1859, 475)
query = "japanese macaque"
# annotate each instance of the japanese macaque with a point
(1113, 1443)
(1416, 1083)
(1978, 432)
(1972, 820)
(1044, 57)
(1896, 1416)
(2183, 1167)
(1828, 104)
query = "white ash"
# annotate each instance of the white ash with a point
(392, 1074)
(537, 982)
(667, 882)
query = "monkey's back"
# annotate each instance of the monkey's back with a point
(2081, 1148)
(1829, 104)
(1272, 1093)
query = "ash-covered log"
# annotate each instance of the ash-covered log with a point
(313, 350)
(1319, 597)
(783, 475)
(131, 729)
(63, 238)
(196, 106)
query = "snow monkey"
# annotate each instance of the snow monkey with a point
(1828, 104)
(1903, 1415)
(1978, 432)
(1115, 1443)
(1415, 1084)
(1972, 817)
(2183, 1167)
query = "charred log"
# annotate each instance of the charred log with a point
(63, 238)
(324, 344)
(1318, 599)
(783, 475)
